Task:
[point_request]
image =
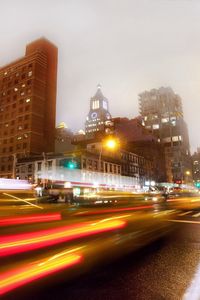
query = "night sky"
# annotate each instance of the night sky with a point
(126, 45)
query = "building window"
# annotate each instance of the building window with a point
(30, 73)
(95, 104)
(155, 126)
(175, 139)
(39, 166)
(50, 164)
(165, 120)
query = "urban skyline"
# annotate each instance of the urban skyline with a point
(119, 45)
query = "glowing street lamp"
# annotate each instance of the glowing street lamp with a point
(109, 144)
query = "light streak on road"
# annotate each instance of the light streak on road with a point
(27, 273)
(18, 243)
(9, 221)
(185, 221)
(113, 210)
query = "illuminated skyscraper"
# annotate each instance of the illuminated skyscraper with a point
(161, 110)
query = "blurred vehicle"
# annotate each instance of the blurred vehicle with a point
(183, 199)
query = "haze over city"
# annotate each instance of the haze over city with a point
(127, 46)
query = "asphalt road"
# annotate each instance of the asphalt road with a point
(165, 269)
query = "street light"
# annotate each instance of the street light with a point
(110, 144)
(187, 173)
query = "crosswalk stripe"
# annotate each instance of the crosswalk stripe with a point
(196, 215)
(185, 213)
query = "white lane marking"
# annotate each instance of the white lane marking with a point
(196, 215)
(185, 221)
(193, 291)
(20, 199)
(185, 213)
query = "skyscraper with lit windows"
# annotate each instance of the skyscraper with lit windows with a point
(162, 114)
(28, 104)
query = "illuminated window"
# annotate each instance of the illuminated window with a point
(30, 73)
(95, 104)
(23, 85)
(175, 138)
(28, 100)
(165, 120)
(19, 138)
(155, 126)
(15, 89)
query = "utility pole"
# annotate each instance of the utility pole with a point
(14, 165)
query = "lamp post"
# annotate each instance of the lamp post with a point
(110, 144)
(187, 173)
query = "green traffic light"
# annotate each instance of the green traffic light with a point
(71, 165)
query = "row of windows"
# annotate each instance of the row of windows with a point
(133, 158)
(16, 91)
(11, 148)
(17, 70)
(91, 164)
(23, 136)
(22, 104)
(13, 122)
(10, 86)
(11, 115)
(94, 124)
(49, 165)
(23, 73)
(6, 168)
(92, 130)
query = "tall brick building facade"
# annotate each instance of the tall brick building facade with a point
(28, 104)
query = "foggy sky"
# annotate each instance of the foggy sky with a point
(126, 45)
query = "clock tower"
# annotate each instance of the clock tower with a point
(99, 118)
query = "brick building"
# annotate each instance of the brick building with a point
(28, 105)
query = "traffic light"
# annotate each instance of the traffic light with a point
(197, 184)
(71, 164)
(68, 163)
